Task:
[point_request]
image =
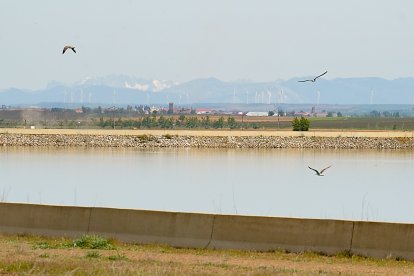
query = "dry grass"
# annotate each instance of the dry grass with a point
(46, 256)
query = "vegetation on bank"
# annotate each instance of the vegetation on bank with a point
(106, 121)
(301, 124)
(36, 255)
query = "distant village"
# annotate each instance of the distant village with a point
(172, 109)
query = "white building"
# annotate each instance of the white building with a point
(257, 113)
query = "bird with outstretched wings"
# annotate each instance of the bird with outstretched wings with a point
(314, 79)
(319, 173)
(68, 47)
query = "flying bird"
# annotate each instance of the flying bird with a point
(68, 47)
(313, 80)
(319, 173)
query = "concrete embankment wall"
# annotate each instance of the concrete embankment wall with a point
(211, 231)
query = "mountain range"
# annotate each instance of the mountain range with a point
(124, 90)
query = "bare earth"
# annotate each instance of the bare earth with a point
(318, 133)
(45, 256)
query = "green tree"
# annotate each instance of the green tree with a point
(304, 123)
(206, 122)
(192, 122)
(169, 123)
(301, 124)
(161, 121)
(231, 122)
(219, 123)
(148, 122)
(270, 113)
(375, 113)
(296, 124)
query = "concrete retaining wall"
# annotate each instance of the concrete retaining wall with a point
(267, 233)
(212, 231)
(176, 229)
(383, 240)
(44, 219)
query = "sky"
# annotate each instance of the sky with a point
(180, 40)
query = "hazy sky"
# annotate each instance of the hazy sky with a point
(186, 39)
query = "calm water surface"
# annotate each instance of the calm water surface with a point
(360, 185)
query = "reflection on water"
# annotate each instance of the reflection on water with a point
(361, 185)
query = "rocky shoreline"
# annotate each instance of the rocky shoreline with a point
(186, 141)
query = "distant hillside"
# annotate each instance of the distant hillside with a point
(122, 90)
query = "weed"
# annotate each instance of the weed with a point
(118, 257)
(42, 245)
(92, 242)
(93, 254)
(403, 140)
(143, 138)
(394, 258)
(44, 255)
(345, 254)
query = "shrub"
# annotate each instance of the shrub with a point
(301, 124)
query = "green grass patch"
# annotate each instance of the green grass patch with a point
(93, 242)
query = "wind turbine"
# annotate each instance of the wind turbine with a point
(114, 97)
(282, 96)
(371, 96)
(318, 96)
